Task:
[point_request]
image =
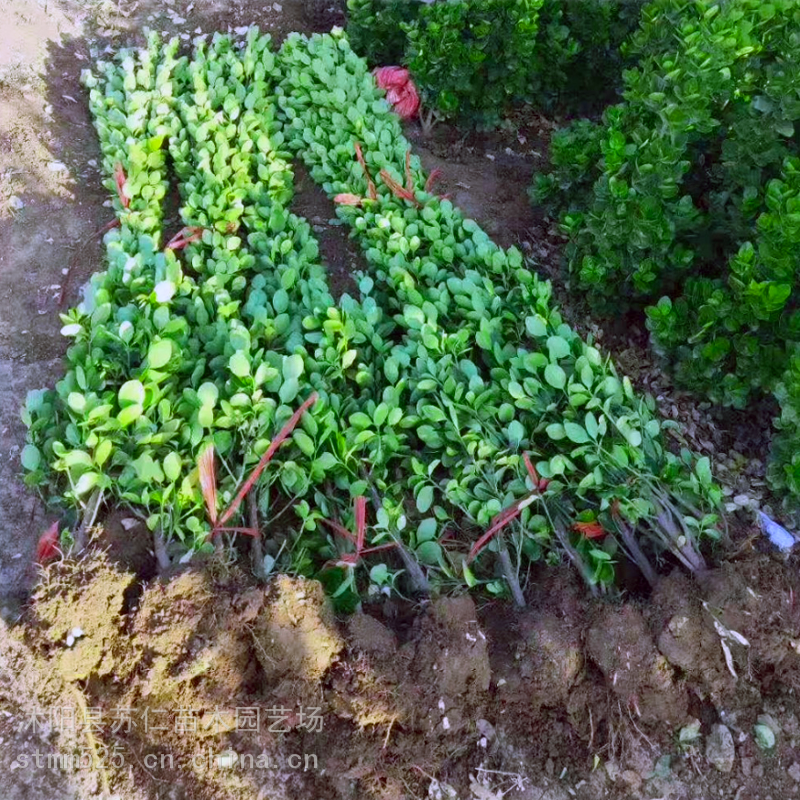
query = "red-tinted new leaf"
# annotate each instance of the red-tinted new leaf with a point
(341, 530)
(184, 237)
(360, 505)
(432, 179)
(267, 457)
(47, 547)
(121, 180)
(348, 200)
(591, 530)
(499, 522)
(409, 176)
(373, 192)
(208, 482)
(397, 190)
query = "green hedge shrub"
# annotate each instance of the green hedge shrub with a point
(473, 59)
(580, 54)
(688, 193)
(375, 28)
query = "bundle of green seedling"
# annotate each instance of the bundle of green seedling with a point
(444, 427)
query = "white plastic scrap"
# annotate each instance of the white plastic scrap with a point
(777, 534)
(726, 634)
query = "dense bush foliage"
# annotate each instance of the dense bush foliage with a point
(451, 394)
(376, 28)
(687, 193)
(580, 50)
(473, 59)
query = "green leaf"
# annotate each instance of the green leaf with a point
(172, 467)
(208, 394)
(86, 483)
(558, 465)
(31, 457)
(425, 499)
(326, 462)
(652, 428)
(381, 414)
(634, 438)
(576, 433)
(147, 469)
(429, 553)
(131, 393)
(555, 376)
(129, 415)
(433, 414)
(102, 452)
(764, 737)
(360, 421)
(414, 317)
(159, 353)
(289, 390)
(77, 402)
(293, 367)
(516, 432)
(536, 327)
(469, 577)
(703, 471)
(556, 431)
(348, 358)
(427, 530)
(205, 416)
(239, 365)
(304, 442)
(558, 347)
(280, 301)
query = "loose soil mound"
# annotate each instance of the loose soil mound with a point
(225, 680)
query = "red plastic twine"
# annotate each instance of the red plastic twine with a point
(400, 90)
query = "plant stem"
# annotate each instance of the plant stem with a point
(636, 552)
(417, 578)
(574, 557)
(160, 550)
(509, 573)
(89, 518)
(256, 551)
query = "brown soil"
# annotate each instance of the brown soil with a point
(476, 698)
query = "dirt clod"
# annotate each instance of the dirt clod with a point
(619, 643)
(295, 632)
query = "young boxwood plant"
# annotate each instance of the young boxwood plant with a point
(164, 362)
(431, 389)
(491, 367)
